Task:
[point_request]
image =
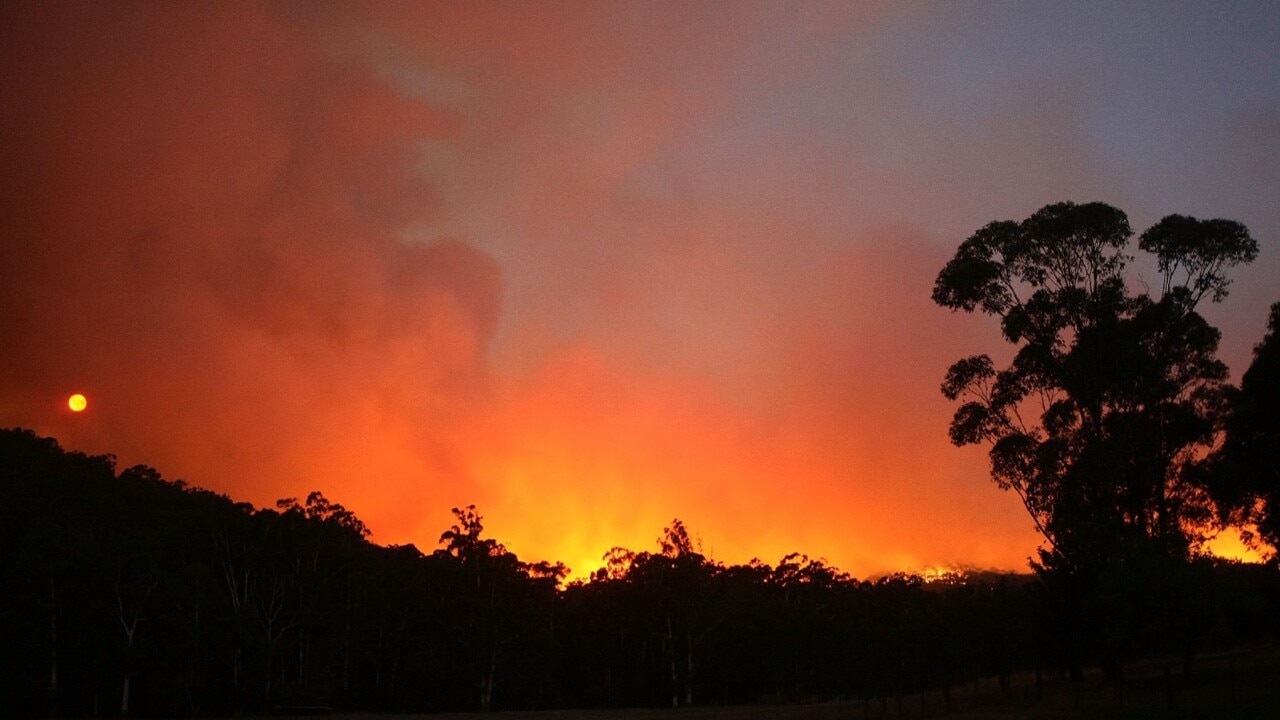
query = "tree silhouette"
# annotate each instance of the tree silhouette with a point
(1102, 419)
(501, 603)
(1111, 396)
(201, 606)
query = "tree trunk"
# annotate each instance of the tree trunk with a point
(235, 673)
(130, 626)
(130, 630)
(688, 678)
(671, 658)
(486, 682)
(53, 649)
(346, 646)
(266, 687)
(346, 659)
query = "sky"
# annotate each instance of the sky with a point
(588, 266)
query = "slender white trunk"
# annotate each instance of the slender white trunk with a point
(675, 674)
(486, 683)
(53, 650)
(688, 678)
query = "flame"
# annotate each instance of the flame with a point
(1230, 544)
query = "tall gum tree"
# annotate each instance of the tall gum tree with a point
(1113, 396)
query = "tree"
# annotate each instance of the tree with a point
(503, 605)
(1111, 396)
(676, 584)
(1247, 468)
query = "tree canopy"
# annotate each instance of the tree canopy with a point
(1112, 396)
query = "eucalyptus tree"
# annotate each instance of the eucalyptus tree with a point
(1114, 392)
(676, 588)
(501, 609)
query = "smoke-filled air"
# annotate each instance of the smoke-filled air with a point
(587, 266)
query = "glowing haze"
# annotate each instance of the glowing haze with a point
(589, 266)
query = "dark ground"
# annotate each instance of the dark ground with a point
(1242, 683)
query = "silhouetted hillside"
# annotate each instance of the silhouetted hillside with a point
(130, 594)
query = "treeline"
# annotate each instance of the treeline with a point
(127, 594)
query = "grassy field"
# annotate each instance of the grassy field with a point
(1242, 683)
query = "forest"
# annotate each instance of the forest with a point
(1114, 423)
(130, 594)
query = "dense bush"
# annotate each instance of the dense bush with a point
(130, 594)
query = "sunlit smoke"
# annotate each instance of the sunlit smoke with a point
(589, 267)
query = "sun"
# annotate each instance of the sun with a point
(77, 402)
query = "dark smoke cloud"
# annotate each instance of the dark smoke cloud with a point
(201, 208)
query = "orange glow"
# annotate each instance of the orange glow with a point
(1229, 544)
(586, 268)
(77, 402)
(940, 573)
(582, 456)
